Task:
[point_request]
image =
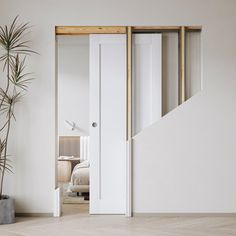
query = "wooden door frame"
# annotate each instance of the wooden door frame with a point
(129, 31)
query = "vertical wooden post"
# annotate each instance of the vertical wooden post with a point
(182, 64)
(129, 82)
(129, 163)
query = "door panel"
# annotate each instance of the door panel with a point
(108, 111)
(147, 76)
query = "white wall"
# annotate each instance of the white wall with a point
(184, 163)
(73, 84)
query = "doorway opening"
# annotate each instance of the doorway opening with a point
(91, 109)
(73, 123)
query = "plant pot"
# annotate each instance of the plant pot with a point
(7, 210)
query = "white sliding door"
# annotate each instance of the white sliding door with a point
(147, 86)
(108, 124)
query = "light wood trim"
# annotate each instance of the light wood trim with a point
(182, 64)
(81, 30)
(129, 82)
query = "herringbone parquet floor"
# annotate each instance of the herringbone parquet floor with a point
(74, 224)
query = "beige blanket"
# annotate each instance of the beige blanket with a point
(80, 174)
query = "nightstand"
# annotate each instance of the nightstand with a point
(65, 167)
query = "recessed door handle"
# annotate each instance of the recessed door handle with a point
(94, 124)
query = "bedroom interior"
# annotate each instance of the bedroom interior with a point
(166, 71)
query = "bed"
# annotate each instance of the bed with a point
(77, 146)
(80, 178)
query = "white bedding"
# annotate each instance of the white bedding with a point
(80, 174)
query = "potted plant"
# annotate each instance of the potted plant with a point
(14, 81)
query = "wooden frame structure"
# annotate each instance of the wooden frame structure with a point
(78, 30)
(129, 31)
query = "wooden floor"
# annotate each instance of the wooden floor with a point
(76, 221)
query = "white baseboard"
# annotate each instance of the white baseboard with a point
(182, 214)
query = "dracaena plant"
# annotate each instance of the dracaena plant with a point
(14, 50)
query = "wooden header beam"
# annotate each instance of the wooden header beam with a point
(83, 30)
